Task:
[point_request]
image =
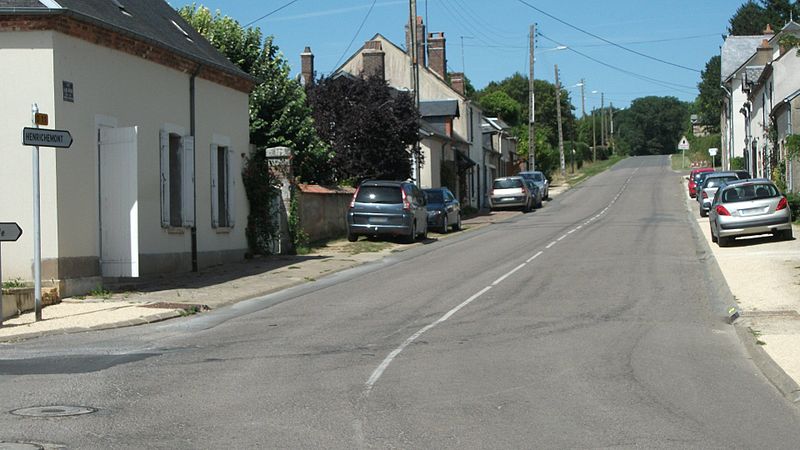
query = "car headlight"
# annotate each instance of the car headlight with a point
(435, 212)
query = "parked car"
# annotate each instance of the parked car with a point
(706, 191)
(536, 193)
(510, 192)
(444, 211)
(387, 208)
(693, 182)
(749, 207)
(540, 180)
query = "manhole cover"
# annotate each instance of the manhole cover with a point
(19, 446)
(53, 411)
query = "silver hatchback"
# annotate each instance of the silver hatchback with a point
(510, 192)
(749, 207)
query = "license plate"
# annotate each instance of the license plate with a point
(378, 220)
(506, 199)
(752, 211)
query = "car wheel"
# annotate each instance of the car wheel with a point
(526, 208)
(457, 225)
(412, 235)
(539, 204)
(713, 238)
(703, 212)
(445, 225)
(724, 241)
(784, 235)
(352, 237)
(424, 235)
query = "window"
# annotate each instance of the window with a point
(222, 184)
(177, 179)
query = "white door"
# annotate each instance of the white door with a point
(119, 208)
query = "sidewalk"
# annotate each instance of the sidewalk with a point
(763, 275)
(154, 299)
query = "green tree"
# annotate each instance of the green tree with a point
(709, 101)
(752, 17)
(279, 115)
(499, 104)
(651, 126)
(368, 126)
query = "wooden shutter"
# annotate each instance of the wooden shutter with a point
(187, 182)
(164, 141)
(231, 191)
(214, 187)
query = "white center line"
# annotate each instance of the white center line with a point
(534, 256)
(500, 280)
(550, 244)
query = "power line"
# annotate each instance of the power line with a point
(606, 40)
(649, 41)
(661, 83)
(355, 35)
(270, 13)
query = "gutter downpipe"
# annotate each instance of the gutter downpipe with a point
(730, 127)
(192, 117)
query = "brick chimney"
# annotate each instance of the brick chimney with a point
(457, 82)
(373, 60)
(437, 59)
(307, 67)
(763, 53)
(420, 41)
(768, 30)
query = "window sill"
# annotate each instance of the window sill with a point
(175, 230)
(223, 230)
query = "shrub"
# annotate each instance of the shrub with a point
(794, 204)
(737, 163)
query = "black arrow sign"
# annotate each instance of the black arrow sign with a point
(9, 231)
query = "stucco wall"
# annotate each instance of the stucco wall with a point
(26, 77)
(118, 90)
(322, 211)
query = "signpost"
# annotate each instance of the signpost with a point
(712, 152)
(9, 232)
(683, 145)
(36, 138)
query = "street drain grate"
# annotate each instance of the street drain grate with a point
(53, 411)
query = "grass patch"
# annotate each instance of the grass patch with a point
(100, 292)
(591, 169)
(362, 246)
(756, 334)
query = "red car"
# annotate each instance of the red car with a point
(692, 185)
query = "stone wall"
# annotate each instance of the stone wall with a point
(322, 210)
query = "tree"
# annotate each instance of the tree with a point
(752, 17)
(651, 126)
(499, 104)
(368, 126)
(279, 115)
(709, 101)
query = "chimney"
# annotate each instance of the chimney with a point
(420, 41)
(763, 53)
(768, 30)
(457, 82)
(437, 59)
(373, 60)
(307, 67)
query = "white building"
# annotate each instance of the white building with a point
(159, 118)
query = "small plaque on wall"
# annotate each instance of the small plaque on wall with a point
(69, 91)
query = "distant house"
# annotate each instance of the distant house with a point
(500, 148)
(451, 139)
(152, 182)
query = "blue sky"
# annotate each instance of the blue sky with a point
(495, 38)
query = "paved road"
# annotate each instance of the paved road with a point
(590, 323)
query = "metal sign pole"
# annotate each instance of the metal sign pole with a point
(37, 236)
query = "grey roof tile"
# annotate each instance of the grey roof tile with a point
(438, 108)
(736, 50)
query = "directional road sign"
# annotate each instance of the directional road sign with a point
(46, 138)
(9, 231)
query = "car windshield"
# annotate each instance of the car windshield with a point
(537, 177)
(507, 183)
(716, 181)
(749, 192)
(379, 194)
(434, 196)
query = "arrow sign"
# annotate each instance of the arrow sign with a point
(46, 138)
(9, 231)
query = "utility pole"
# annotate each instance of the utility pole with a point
(611, 116)
(560, 132)
(531, 113)
(412, 17)
(594, 138)
(583, 98)
(602, 121)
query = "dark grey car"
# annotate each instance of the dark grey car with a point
(444, 211)
(387, 208)
(540, 180)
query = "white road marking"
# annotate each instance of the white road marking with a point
(561, 238)
(550, 245)
(500, 280)
(388, 360)
(534, 256)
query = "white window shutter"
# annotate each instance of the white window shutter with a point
(187, 184)
(164, 143)
(231, 191)
(214, 188)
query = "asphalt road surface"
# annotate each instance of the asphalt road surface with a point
(590, 323)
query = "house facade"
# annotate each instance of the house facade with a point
(459, 145)
(159, 120)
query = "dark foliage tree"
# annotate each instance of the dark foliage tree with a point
(709, 101)
(752, 17)
(368, 126)
(499, 104)
(651, 125)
